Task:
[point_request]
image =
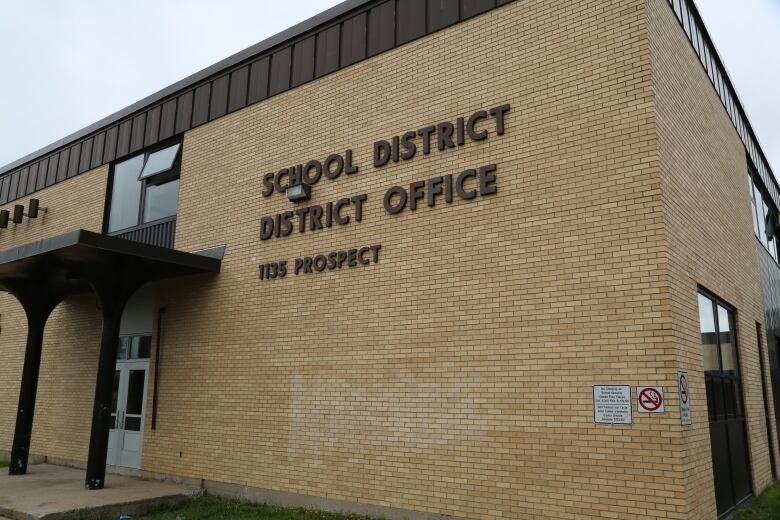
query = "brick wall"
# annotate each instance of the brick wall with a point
(455, 376)
(76, 204)
(68, 367)
(710, 241)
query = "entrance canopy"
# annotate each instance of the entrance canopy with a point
(41, 274)
(69, 261)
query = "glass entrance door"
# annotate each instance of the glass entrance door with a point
(128, 404)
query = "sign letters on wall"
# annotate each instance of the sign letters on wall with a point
(468, 184)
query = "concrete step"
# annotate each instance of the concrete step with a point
(48, 492)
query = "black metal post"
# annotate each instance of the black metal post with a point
(20, 450)
(101, 413)
(38, 300)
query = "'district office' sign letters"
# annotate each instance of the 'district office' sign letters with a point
(468, 184)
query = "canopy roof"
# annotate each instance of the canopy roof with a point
(67, 261)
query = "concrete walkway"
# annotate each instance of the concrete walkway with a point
(47, 492)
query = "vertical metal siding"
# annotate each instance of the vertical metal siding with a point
(86, 155)
(410, 20)
(51, 170)
(161, 233)
(152, 133)
(442, 13)
(239, 83)
(112, 135)
(42, 169)
(219, 97)
(4, 184)
(168, 119)
(97, 150)
(328, 50)
(469, 8)
(184, 112)
(32, 178)
(303, 61)
(137, 134)
(353, 40)
(280, 70)
(62, 164)
(200, 106)
(381, 28)
(22, 189)
(73, 163)
(123, 140)
(14, 186)
(258, 80)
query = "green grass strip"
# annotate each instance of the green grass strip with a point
(214, 508)
(765, 507)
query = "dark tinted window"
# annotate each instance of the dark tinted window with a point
(135, 392)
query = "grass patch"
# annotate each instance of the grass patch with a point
(3, 463)
(765, 507)
(213, 508)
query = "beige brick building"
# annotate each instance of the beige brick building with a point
(580, 219)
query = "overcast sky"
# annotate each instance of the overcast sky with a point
(68, 63)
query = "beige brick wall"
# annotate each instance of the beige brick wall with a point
(68, 367)
(710, 241)
(74, 204)
(455, 376)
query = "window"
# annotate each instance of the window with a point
(161, 200)
(134, 347)
(752, 189)
(145, 188)
(160, 161)
(126, 195)
(728, 433)
(717, 325)
(768, 242)
(761, 207)
(709, 338)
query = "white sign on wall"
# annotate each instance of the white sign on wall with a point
(612, 404)
(686, 419)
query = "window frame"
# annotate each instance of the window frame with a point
(146, 186)
(735, 379)
(754, 206)
(726, 409)
(140, 338)
(758, 201)
(156, 179)
(718, 302)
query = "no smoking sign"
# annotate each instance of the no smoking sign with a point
(650, 399)
(686, 419)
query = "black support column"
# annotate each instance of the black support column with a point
(20, 449)
(113, 296)
(38, 304)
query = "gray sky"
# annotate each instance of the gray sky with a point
(747, 36)
(69, 63)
